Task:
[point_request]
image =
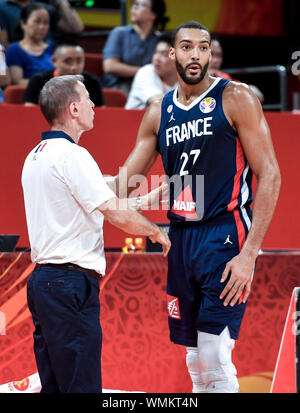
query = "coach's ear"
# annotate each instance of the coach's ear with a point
(73, 109)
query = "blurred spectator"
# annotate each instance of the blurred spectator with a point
(63, 18)
(217, 60)
(130, 47)
(33, 53)
(4, 76)
(154, 80)
(68, 59)
(215, 64)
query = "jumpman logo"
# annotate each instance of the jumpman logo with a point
(227, 241)
(172, 117)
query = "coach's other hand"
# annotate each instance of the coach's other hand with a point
(162, 237)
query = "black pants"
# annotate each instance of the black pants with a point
(65, 309)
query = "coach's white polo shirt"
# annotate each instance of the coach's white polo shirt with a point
(62, 187)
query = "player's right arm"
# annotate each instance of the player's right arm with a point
(144, 153)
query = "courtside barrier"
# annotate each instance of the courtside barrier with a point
(286, 375)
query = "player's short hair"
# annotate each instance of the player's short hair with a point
(57, 94)
(188, 25)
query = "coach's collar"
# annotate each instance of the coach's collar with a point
(55, 134)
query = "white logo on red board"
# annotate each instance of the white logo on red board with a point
(21, 385)
(173, 307)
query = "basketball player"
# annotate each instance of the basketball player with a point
(211, 134)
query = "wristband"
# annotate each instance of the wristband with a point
(139, 202)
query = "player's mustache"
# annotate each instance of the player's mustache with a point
(194, 64)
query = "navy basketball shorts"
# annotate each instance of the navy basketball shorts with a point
(196, 261)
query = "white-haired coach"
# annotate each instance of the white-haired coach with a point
(66, 200)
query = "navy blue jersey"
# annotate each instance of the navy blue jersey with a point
(203, 159)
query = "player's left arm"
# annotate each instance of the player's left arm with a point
(245, 113)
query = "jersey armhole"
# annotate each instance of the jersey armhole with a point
(224, 117)
(162, 122)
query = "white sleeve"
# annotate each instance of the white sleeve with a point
(145, 85)
(3, 66)
(85, 180)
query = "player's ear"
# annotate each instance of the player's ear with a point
(172, 53)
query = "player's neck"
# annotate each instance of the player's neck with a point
(188, 93)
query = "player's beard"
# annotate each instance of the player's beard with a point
(191, 80)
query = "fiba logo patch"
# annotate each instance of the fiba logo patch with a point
(207, 105)
(173, 307)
